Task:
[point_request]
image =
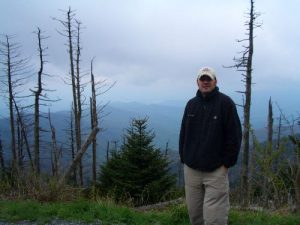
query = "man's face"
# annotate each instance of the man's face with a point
(206, 84)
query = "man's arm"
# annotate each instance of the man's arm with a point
(233, 135)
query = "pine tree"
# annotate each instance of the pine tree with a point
(138, 172)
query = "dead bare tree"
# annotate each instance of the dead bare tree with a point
(79, 93)
(97, 88)
(15, 69)
(244, 64)
(37, 95)
(41, 99)
(70, 33)
(94, 122)
(6, 50)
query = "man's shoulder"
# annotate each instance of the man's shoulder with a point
(225, 98)
(192, 100)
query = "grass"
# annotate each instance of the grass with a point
(238, 217)
(86, 211)
(109, 213)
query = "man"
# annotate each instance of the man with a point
(210, 139)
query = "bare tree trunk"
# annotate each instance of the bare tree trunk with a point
(91, 117)
(252, 165)
(24, 134)
(94, 121)
(247, 106)
(19, 143)
(245, 162)
(79, 155)
(72, 146)
(74, 82)
(11, 107)
(245, 63)
(37, 94)
(2, 165)
(77, 86)
(94, 146)
(67, 24)
(54, 149)
(15, 69)
(95, 114)
(78, 97)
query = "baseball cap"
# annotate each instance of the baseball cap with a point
(208, 72)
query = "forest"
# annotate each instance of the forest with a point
(135, 172)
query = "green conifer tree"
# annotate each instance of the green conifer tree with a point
(138, 172)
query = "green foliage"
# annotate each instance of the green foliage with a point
(138, 173)
(108, 213)
(271, 174)
(88, 212)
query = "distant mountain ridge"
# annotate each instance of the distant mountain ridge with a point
(164, 120)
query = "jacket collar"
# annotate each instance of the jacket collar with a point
(209, 96)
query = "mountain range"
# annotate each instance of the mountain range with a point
(163, 119)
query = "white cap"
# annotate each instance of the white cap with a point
(207, 71)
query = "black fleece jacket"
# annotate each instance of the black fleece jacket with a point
(211, 133)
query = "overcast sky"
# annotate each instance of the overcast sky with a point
(153, 49)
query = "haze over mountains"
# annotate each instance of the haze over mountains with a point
(164, 119)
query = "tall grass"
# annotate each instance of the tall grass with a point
(42, 188)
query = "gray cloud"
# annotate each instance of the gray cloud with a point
(155, 48)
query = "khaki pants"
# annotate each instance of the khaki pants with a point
(207, 196)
